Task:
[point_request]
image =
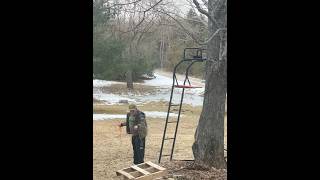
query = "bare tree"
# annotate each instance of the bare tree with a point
(134, 20)
(208, 148)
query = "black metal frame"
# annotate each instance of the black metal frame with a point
(197, 58)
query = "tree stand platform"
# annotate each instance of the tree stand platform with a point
(143, 171)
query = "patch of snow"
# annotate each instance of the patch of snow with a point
(97, 117)
(112, 98)
(197, 91)
(103, 83)
(151, 114)
(157, 114)
(160, 81)
(162, 93)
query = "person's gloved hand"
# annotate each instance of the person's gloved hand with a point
(135, 127)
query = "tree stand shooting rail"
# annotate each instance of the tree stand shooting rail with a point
(197, 58)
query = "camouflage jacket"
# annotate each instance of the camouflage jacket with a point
(140, 121)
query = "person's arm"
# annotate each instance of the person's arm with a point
(124, 123)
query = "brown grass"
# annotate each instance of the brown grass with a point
(150, 106)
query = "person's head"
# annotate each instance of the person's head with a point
(133, 108)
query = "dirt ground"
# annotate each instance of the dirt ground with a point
(112, 149)
(184, 170)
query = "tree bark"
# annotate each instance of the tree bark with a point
(129, 79)
(208, 148)
(161, 47)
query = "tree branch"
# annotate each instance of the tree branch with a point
(123, 4)
(213, 35)
(143, 18)
(205, 2)
(144, 15)
(179, 23)
(146, 29)
(195, 20)
(202, 11)
(153, 6)
(190, 34)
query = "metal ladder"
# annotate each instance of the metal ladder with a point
(198, 58)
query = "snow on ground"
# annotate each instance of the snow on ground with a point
(108, 116)
(166, 82)
(102, 83)
(163, 85)
(112, 98)
(161, 81)
(151, 114)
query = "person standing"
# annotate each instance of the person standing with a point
(136, 125)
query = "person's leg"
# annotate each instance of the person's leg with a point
(142, 148)
(142, 151)
(135, 146)
(140, 154)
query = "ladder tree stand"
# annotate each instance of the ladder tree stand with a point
(191, 60)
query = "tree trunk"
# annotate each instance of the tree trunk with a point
(129, 79)
(208, 148)
(161, 49)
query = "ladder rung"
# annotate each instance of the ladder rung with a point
(183, 159)
(172, 121)
(166, 155)
(186, 86)
(175, 105)
(168, 138)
